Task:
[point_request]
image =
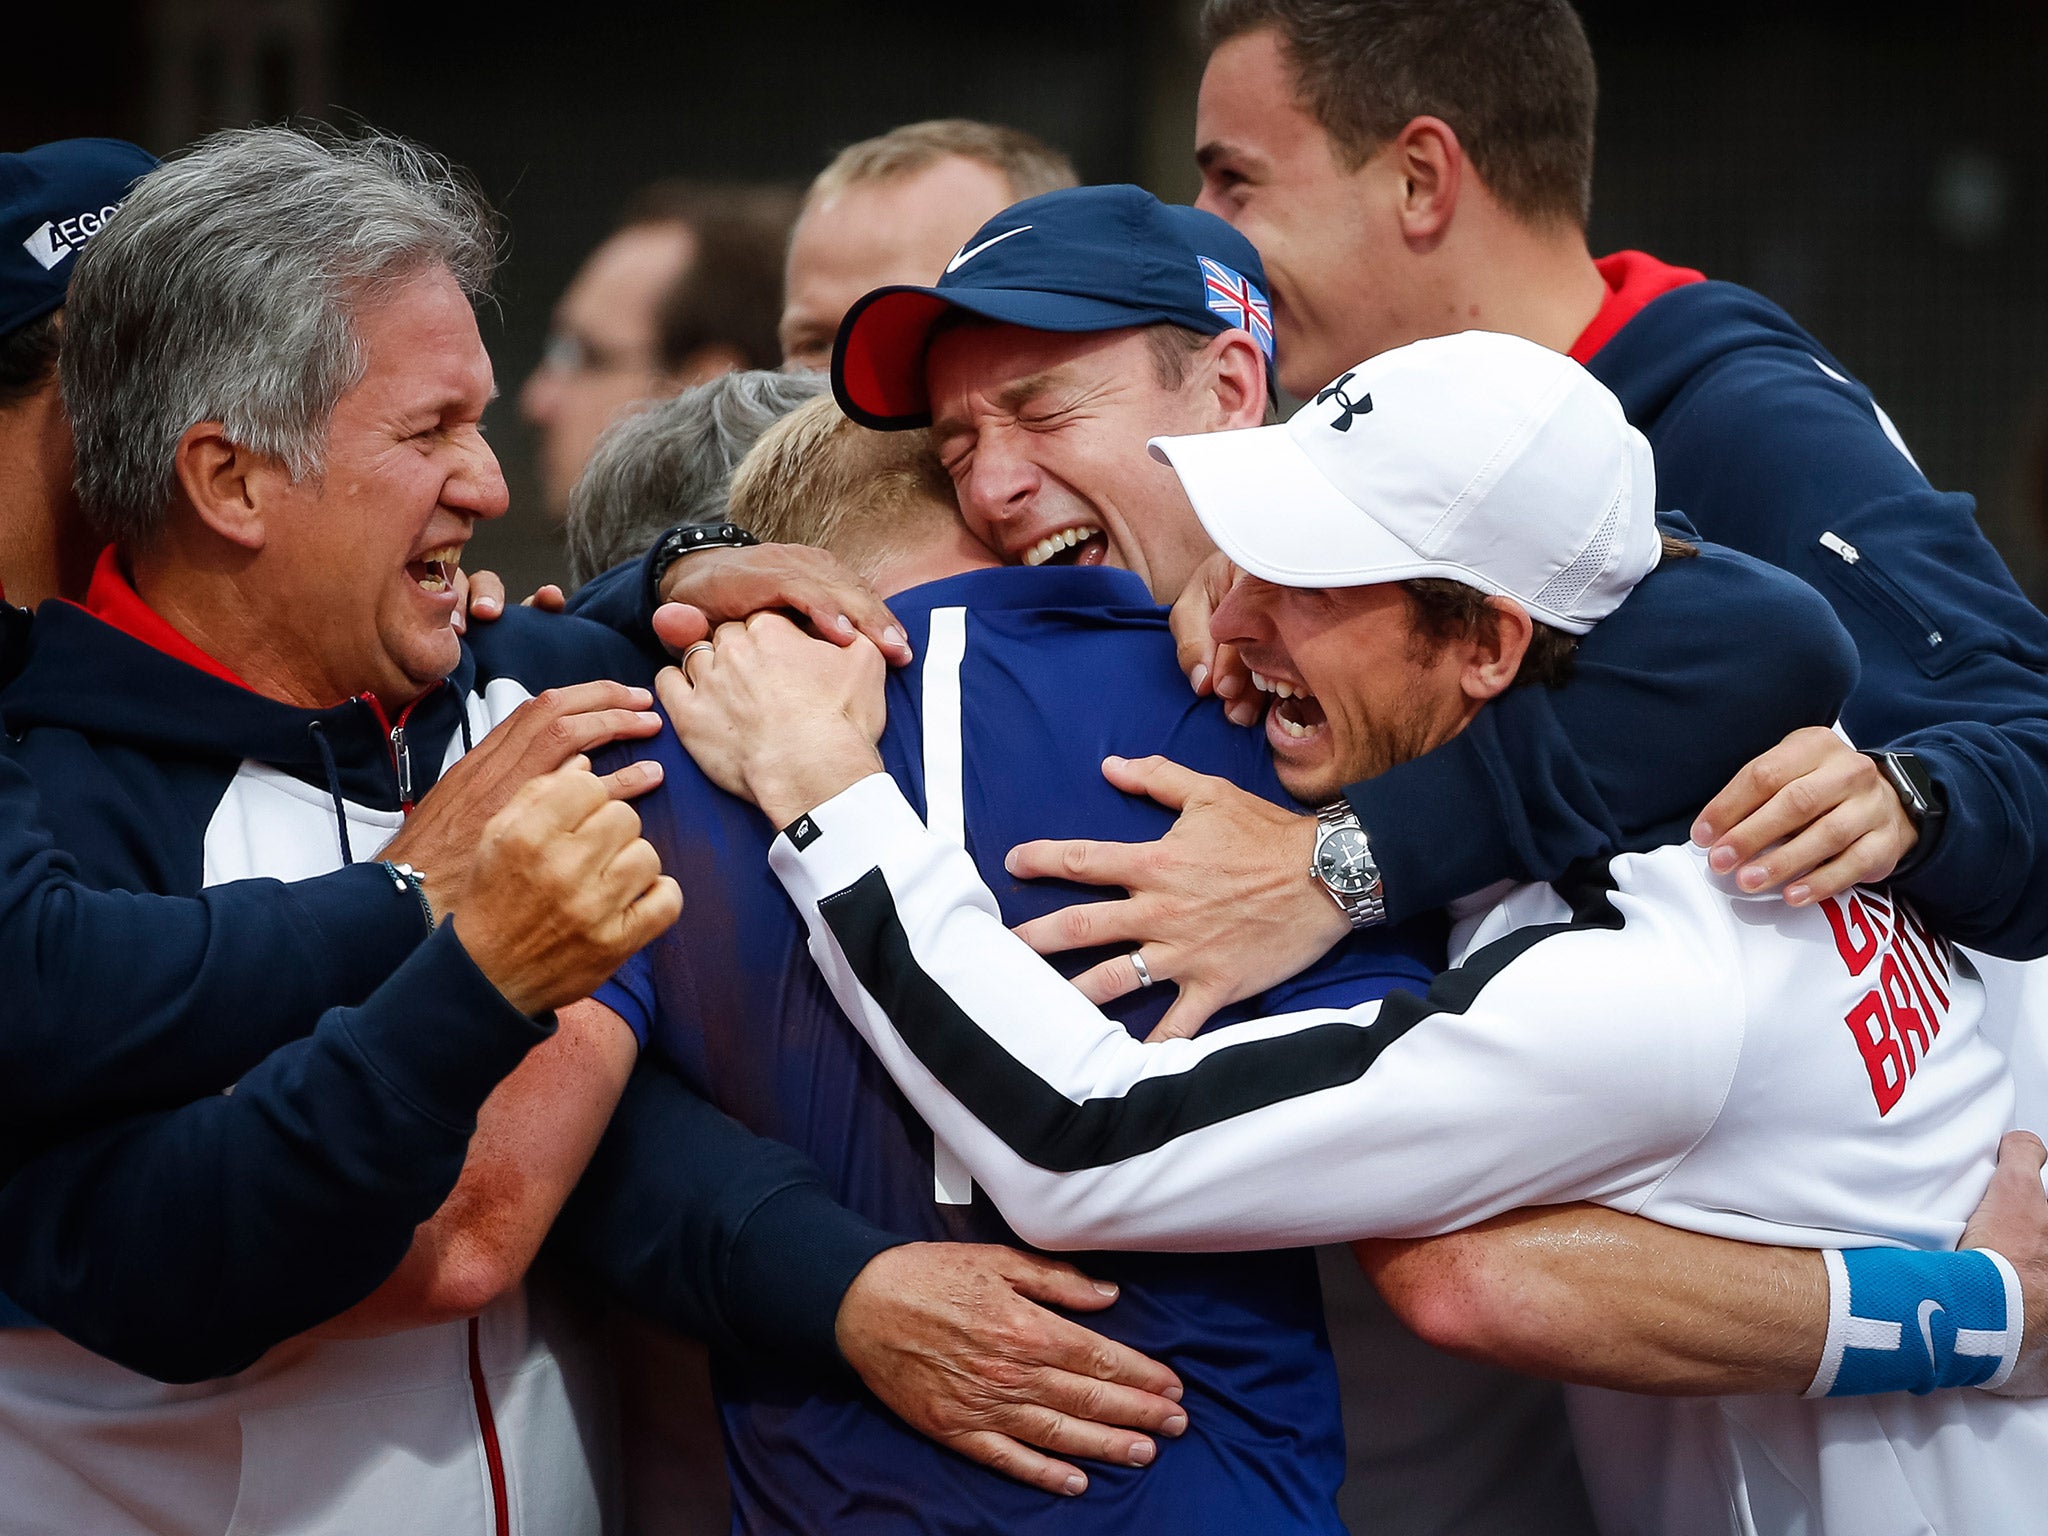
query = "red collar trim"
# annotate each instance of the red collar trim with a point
(112, 600)
(1633, 279)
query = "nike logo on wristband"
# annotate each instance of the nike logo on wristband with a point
(1927, 1311)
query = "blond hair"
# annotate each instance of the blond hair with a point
(1027, 162)
(818, 478)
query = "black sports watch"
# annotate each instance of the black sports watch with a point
(1926, 803)
(687, 539)
(1343, 862)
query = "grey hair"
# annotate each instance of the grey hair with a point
(226, 289)
(672, 462)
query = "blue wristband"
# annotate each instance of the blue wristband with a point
(1905, 1321)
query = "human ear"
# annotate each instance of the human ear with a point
(224, 483)
(1430, 163)
(1237, 380)
(1494, 655)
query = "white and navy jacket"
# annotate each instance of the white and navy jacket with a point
(1645, 1038)
(159, 777)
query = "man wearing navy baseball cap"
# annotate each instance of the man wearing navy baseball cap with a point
(1067, 330)
(53, 199)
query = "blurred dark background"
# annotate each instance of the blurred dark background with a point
(1878, 168)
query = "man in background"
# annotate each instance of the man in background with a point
(895, 209)
(686, 288)
(53, 199)
(892, 209)
(1409, 171)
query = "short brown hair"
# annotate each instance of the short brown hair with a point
(731, 292)
(1445, 611)
(817, 477)
(1027, 162)
(1513, 78)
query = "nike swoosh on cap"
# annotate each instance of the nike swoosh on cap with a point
(968, 255)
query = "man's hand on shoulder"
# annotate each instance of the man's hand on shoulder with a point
(1813, 815)
(958, 1340)
(1223, 905)
(732, 585)
(776, 717)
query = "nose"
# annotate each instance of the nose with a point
(1001, 483)
(476, 486)
(1209, 202)
(1241, 618)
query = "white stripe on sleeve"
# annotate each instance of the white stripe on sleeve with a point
(1584, 1070)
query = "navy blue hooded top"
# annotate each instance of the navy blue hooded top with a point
(269, 1210)
(1771, 447)
(1023, 681)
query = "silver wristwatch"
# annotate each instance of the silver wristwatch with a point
(1344, 864)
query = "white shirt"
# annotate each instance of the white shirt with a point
(1649, 1040)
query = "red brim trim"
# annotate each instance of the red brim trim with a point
(878, 360)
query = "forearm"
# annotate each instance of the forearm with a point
(534, 1135)
(185, 1243)
(119, 1003)
(1588, 1295)
(1087, 1138)
(697, 1224)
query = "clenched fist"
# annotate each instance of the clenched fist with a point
(564, 888)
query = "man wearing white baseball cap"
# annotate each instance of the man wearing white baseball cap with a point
(1639, 1034)
(1515, 516)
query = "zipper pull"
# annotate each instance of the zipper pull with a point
(1834, 543)
(401, 757)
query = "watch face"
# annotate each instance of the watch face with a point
(1343, 863)
(1911, 779)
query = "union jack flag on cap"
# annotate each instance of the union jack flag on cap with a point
(1231, 295)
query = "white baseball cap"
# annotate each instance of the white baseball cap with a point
(1483, 458)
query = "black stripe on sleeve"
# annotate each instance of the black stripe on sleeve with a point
(1049, 1130)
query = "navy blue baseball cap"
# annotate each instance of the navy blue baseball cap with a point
(1081, 259)
(53, 199)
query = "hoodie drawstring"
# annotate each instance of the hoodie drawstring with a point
(318, 731)
(468, 741)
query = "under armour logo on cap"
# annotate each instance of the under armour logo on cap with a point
(1491, 461)
(1348, 409)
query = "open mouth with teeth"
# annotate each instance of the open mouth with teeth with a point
(1295, 716)
(435, 569)
(1070, 546)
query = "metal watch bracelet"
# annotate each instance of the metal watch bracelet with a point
(1343, 865)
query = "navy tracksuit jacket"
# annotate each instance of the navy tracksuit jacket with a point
(264, 1212)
